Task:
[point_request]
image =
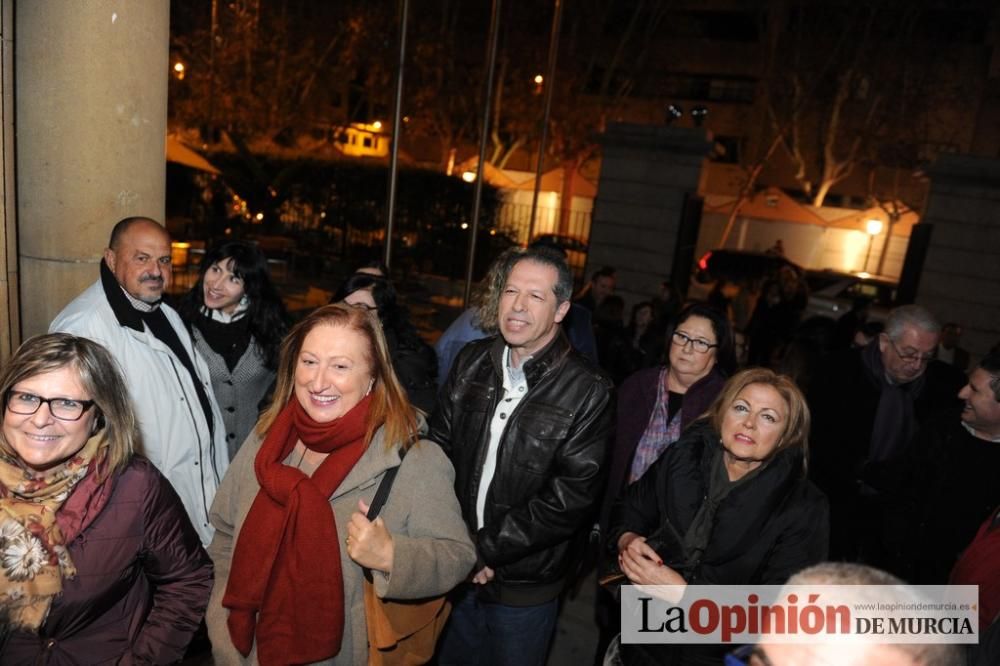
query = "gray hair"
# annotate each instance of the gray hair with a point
(849, 573)
(914, 316)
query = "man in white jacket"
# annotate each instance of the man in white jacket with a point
(182, 431)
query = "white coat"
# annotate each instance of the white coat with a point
(175, 433)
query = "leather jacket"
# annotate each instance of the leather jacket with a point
(550, 467)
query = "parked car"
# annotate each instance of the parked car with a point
(735, 266)
(831, 293)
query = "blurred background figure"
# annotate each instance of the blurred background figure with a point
(781, 303)
(665, 306)
(601, 285)
(613, 347)
(948, 349)
(413, 360)
(99, 560)
(645, 339)
(237, 321)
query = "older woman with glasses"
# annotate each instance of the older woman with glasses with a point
(656, 404)
(98, 561)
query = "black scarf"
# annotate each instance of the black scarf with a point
(895, 420)
(227, 339)
(160, 327)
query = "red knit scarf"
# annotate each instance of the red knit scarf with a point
(285, 584)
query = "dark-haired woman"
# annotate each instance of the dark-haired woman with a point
(237, 321)
(413, 359)
(656, 404)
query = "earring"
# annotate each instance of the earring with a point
(370, 385)
(244, 301)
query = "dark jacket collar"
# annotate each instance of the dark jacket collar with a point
(549, 357)
(124, 312)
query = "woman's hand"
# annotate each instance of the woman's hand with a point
(641, 563)
(368, 541)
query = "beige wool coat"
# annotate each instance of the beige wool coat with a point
(432, 555)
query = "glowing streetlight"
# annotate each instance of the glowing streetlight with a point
(179, 70)
(874, 228)
(469, 176)
(539, 79)
(377, 125)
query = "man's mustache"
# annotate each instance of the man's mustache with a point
(146, 277)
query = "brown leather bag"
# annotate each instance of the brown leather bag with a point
(400, 632)
(403, 633)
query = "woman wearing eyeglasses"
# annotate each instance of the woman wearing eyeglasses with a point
(656, 404)
(98, 561)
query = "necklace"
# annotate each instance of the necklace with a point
(301, 458)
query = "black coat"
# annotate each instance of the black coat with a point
(949, 489)
(843, 403)
(550, 468)
(764, 530)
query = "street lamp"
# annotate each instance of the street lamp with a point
(874, 228)
(179, 70)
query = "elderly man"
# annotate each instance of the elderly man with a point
(526, 421)
(771, 653)
(952, 476)
(168, 381)
(867, 405)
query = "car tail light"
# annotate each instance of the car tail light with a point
(703, 262)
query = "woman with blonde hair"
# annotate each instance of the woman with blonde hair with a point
(727, 504)
(99, 560)
(292, 538)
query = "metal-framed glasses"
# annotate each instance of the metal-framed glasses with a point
(911, 357)
(699, 345)
(64, 409)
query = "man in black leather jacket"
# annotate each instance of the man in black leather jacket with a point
(526, 421)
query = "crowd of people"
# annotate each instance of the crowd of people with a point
(339, 492)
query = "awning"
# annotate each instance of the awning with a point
(178, 153)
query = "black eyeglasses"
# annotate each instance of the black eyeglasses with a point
(699, 345)
(911, 357)
(64, 409)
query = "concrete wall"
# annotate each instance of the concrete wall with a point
(91, 105)
(961, 277)
(645, 173)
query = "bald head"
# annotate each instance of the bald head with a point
(139, 255)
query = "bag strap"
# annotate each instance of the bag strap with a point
(381, 495)
(384, 486)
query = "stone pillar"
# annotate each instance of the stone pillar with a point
(9, 311)
(91, 123)
(646, 171)
(961, 276)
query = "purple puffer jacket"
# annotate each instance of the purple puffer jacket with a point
(142, 583)
(636, 399)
